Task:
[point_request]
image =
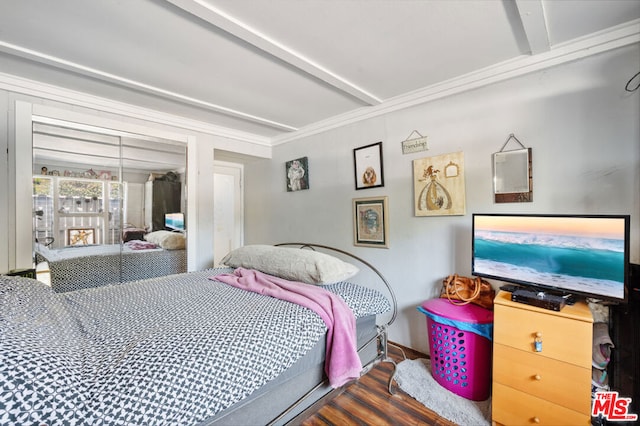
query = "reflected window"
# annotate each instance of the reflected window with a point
(77, 211)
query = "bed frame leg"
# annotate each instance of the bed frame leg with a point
(384, 350)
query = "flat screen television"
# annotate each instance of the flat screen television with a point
(586, 256)
(174, 222)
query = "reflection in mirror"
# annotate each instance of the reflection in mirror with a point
(98, 213)
(512, 177)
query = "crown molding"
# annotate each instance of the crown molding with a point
(615, 37)
(47, 91)
(612, 38)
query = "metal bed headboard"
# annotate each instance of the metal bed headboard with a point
(382, 335)
(394, 302)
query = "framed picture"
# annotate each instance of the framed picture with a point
(297, 174)
(81, 236)
(367, 162)
(371, 222)
(438, 185)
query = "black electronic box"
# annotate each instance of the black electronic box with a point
(540, 299)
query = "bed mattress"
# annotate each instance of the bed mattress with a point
(263, 406)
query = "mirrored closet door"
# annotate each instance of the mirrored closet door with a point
(105, 203)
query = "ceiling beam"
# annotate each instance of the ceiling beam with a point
(61, 63)
(535, 25)
(244, 32)
(603, 41)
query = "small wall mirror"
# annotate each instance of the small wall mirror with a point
(512, 178)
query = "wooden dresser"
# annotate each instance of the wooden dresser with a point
(550, 387)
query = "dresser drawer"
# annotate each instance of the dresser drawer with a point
(562, 339)
(512, 407)
(562, 383)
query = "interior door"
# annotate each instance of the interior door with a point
(228, 214)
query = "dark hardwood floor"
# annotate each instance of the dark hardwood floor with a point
(368, 401)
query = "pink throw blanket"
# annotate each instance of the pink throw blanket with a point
(140, 245)
(342, 363)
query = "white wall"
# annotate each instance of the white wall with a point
(4, 177)
(581, 124)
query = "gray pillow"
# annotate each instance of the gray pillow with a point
(167, 240)
(293, 264)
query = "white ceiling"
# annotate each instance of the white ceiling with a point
(271, 67)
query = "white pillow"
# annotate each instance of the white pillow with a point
(292, 264)
(166, 239)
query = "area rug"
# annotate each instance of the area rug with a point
(414, 377)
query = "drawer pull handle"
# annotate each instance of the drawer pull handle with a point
(537, 377)
(537, 343)
(535, 420)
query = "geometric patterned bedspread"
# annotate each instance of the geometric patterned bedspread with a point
(74, 268)
(165, 351)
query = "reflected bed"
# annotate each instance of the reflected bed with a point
(78, 267)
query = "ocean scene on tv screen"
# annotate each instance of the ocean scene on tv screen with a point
(570, 254)
(174, 221)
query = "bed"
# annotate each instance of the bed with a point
(182, 349)
(77, 267)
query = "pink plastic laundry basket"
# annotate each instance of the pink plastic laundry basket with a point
(460, 347)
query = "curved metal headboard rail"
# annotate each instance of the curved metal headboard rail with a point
(370, 266)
